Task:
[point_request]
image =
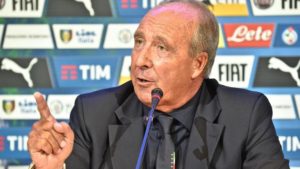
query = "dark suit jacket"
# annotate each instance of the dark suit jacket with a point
(232, 129)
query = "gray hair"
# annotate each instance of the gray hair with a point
(206, 36)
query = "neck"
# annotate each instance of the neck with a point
(169, 106)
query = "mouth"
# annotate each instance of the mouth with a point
(143, 81)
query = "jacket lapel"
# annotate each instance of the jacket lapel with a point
(125, 139)
(205, 133)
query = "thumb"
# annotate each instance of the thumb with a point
(67, 143)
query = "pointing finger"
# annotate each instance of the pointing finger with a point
(64, 129)
(43, 107)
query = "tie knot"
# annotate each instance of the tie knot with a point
(165, 122)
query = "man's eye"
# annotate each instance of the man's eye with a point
(138, 41)
(161, 47)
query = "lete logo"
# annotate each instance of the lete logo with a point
(249, 35)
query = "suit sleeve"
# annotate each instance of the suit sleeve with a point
(263, 150)
(80, 156)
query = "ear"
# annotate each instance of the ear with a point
(199, 64)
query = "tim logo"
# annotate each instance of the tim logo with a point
(129, 4)
(1, 143)
(133, 4)
(8, 106)
(66, 35)
(69, 72)
(2, 3)
(10, 65)
(278, 72)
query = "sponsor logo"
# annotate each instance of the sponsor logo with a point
(24, 72)
(278, 72)
(125, 36)
(61, 105)
(66, 35)
(8, 106)
(88, 72)
(17, 143)
(282, 106)
(249, 35)
(77, 36)
(31, 36)
(10, 65)
(2, 3)
(287, 35)
(272, 7)
(79, 8)
(125, 72)
(227, 7)
(263, 4)
(14, 141)
(69, 72)
(120, 36)
(88, 6)
(95, 72)
(135, 7)
(290, 142)
(21, 8)
(129, 4)
(233, 70)
(24, 107)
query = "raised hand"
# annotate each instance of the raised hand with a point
(50, 142)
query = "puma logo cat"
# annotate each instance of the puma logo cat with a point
(8, 64)
(275, 63)
(88, 6)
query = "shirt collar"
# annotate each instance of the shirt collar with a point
(185, 114)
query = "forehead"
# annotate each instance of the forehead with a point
(171, 20)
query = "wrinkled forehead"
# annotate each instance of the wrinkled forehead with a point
(175, 15)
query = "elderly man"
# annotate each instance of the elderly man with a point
(197, 124)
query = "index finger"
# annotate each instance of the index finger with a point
(43, 107)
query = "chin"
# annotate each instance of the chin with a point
(144, 96)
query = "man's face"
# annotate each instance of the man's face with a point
(160, 58)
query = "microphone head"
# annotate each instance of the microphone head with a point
(157, 92)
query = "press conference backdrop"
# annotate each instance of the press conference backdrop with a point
(66, 47)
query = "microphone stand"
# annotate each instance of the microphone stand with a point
(156, 95)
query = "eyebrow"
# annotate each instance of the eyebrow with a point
(138, 34)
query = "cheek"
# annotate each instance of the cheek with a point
(173, 76)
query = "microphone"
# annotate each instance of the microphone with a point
(156, 95)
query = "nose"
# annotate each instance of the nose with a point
(144, 58)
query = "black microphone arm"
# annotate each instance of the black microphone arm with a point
(156, 95)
